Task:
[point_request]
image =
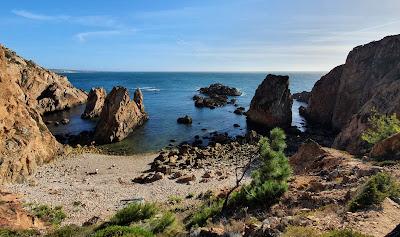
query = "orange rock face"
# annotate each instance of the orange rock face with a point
(389, 147)
(27, 91)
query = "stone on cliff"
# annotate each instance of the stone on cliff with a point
(345, 97)
(388, 148)
(95, 103)
(27, 91)
(272, 103)
(119, 117)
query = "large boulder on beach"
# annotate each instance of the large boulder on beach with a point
(271, 105)
(345, 97)
(95, 103)
(26, 92)
(119, 117)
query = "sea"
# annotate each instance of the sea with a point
(167, 96)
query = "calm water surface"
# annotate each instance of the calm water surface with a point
(168, 95)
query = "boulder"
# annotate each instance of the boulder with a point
(119, 117)
(26, 92)
(94, 103)
(388, 148)
(271, 105)
(395, 232)
(303, 96)
(184, 120)
(219, 89)
(138, 98)
(344, 98)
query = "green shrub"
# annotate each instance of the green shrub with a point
(53, 215)
(374, 191)
(344, 233)
(269, 181)
(123, 231)
(21, 233)
(174, 199)
(161, 224)
(382, 126)
(71, 231)
(205, 212)
(300, 231)
(134, 212)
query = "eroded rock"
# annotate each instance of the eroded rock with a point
(95, 103)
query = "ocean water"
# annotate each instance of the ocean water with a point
(168, 95)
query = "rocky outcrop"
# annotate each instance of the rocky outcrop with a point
(303, 96)
(344, 98)
(27, 91)
(95, 103)
(184, 120)
(271, 105)
(219, 89)
(13, 215)
(387, 148)
(119, 117)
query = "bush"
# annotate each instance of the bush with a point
(205, 212)
(70, 231)
(123, 231)
(269, 181)
(344, 233)
(382, 126)
(53, 215)
(21, 233)
(374, 191)
(161, 224)
(134, 212)
(300, 231)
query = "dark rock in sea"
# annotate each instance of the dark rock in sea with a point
(271, 105)
(239, 111)
(196, 137)
(219, 89)
(236, 125)
(303, 111)
(204, 129)
(120, 116)
(65, 121)
(184, 120)
(94, 103)
(303, 96)
(343, 98)
(172, 140)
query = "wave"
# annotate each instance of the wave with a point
(149, 88)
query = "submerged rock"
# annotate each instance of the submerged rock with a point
(271, 105)
(94, 103)
(184, 120)
(119, 117)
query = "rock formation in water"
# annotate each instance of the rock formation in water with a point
(303, 96)
(219, 89)
(26, 92)
(344, 98)
(216, 96)
(271, 105)
(119, 117)
(95, 103)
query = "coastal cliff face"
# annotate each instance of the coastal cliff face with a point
(120, 115)
(272, 103)
(345, 97)
(27, 91)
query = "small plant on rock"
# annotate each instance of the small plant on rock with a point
(53, 215)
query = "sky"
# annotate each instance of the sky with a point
(188, 35)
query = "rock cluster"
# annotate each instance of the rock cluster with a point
(26, 92)
(95, 103)
(344, 98)
(185, 120)
(217, 96)
(120, 116)
(303, 96)
(271, 105)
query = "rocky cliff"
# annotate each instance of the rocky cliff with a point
(344, 98)
(271, 105)
(26, 92)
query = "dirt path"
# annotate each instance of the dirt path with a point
(66, 182)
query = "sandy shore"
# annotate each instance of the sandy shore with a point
(67, 182)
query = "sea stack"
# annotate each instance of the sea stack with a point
(345, 97)
(271, 105)
(94, 103)
(120, 116)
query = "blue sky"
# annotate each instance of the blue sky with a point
(186, 35)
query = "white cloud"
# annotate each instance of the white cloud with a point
(40, 17)
(83, 36)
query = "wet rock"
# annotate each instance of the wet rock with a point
(303, 96)
(94, 103)
(65, 121)
(219, 89)
(239, 111)
(271, 105)
(184, 120)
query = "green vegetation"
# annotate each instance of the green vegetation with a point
(53, 215)
(71, 231)
(21, 233)
(161, 224)
(269, 181)
(174, 199)
(123, 231)
(300, 231)
(382, 126)
(134, 212)
(374, 191)
(208, 210)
